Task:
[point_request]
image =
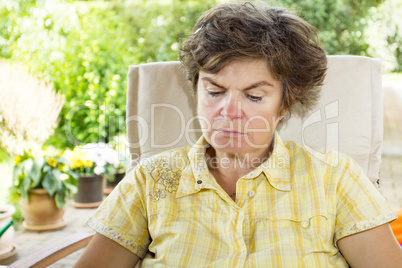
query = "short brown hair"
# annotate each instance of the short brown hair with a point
(287, 43)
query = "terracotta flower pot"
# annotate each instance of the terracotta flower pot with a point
(8, 250)
(90, 192)
(41, 213)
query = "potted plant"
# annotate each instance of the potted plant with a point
(114, 170)
(44, 184)
(114, 177)
(89, 168)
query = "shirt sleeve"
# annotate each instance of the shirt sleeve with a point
(360, 205)
(122, 216)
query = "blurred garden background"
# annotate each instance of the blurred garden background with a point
(63, 63)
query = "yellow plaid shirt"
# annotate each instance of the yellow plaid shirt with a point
(289, 212)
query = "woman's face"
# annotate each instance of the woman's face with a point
(239, 106)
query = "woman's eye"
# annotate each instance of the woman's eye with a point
(214, 93)
(254, 98)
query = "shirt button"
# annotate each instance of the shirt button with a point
(199, 181)
(251, 193)
(305, 224)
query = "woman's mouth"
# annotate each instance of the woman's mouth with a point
(229, 132)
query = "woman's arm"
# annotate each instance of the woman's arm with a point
(376, 247)
(104, 252)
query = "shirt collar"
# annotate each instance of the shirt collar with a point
(196, 175)
(276, 169)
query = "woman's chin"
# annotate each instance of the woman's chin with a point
(232, 147)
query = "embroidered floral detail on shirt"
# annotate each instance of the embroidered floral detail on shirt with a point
(169, 178)
(112, 234)
(166, 180)
(365, 225)
(157, 194)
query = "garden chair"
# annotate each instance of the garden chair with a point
(348, 118)
(160, 110)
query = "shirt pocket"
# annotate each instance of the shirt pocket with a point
(293, 241)
(306, 234)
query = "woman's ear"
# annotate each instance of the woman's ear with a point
(284, 115)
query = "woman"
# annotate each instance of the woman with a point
(241, 197)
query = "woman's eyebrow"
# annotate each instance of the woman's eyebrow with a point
(212, 82)
(258, 84)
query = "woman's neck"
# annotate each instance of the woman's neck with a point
(231, 167)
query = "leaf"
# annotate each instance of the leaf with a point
(72, 174)
(28, 166)
(26, 184)
(50, 183)
(40, 161)
(63, 160)
(60, 200)
(71, 188)
(47, 168)
(56, 174)
(35, 174)
(16, 171)
(24, 187)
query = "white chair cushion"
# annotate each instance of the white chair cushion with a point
(348, 117)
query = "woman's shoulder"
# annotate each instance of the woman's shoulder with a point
(330, 168)
(170, 159)
(318, 157)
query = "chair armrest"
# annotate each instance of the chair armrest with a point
(55, 251)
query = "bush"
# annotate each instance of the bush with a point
(340, 23)
(82, 50)
(85, 48)
(11, 11)
(384, 34)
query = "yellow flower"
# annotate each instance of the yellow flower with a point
(78, 158)
(88, 163)
(78, 152)
(68, 154)
(75, 163)
(52, 162)
(18, 159)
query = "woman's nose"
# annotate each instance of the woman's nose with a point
(232, 107)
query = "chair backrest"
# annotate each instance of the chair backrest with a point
(161, 112)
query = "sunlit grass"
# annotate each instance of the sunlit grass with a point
(394, 77)
(5, 180)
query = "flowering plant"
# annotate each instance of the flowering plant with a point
(80, 161)
(94, 158)
(48, 172)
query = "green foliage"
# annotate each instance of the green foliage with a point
(84, 48)
(51, 174)
(384, 34)
(340, 23)
(10, 12)
(160, 28)
(82, 51)
(394, 77)
(4, 156)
